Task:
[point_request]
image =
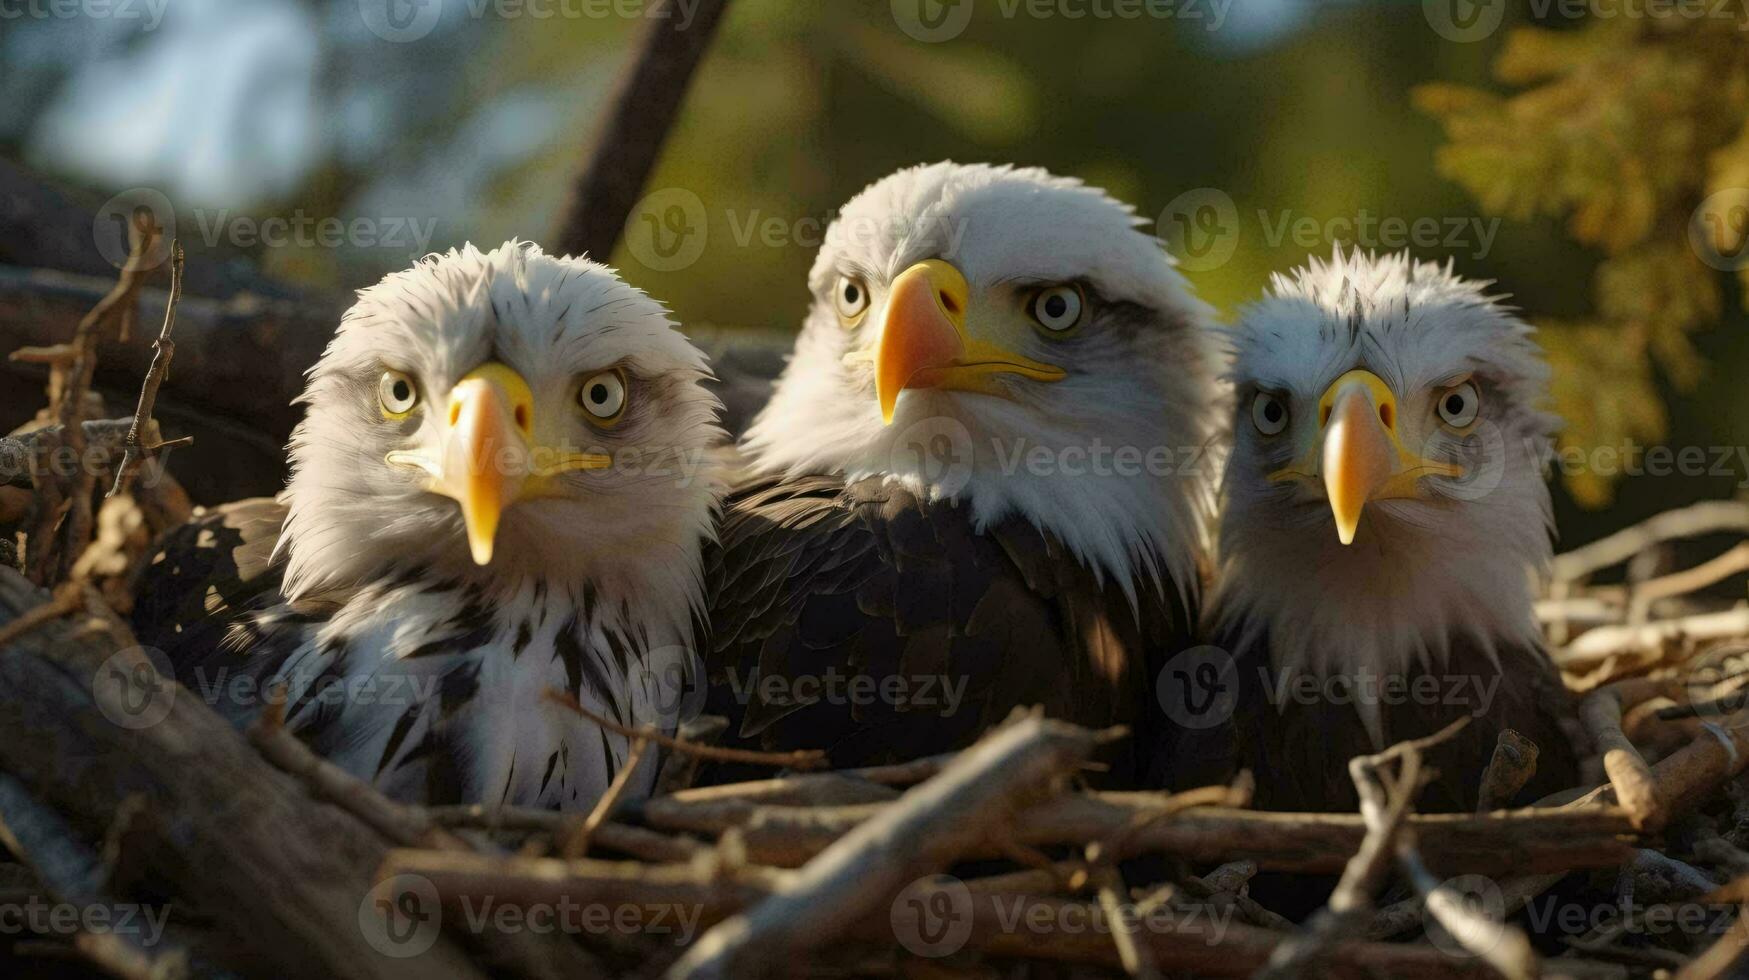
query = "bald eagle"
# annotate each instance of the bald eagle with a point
(501, 487)
(1382, 510)
(979, 482)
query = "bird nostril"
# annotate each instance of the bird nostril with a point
(948, 303)
(455, 413)
(522, 421)
(1388, 414)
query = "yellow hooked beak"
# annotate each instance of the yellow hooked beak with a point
(1361, 457)
(489, 460)
(923, 341)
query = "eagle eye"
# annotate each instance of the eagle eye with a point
(1268, 413)
(397, 393)
(603, 396)
(1459, 406)
(850, 297)
(1058, 308)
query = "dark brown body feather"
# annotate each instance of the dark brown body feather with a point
(904, 602)
(205, 573)
(1298, 744)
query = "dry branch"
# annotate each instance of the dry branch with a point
(1596, 646)
(294, 872)
(1002, 918)
(63, 520)
(643, 106)
(1635, 787)
(800, 759)
(1320, 843)
(1710, 517)
(239, 359)
(141, 442)
(1350, 904)
(400, 825)
(867, 866)
(1688, 580)
(577, 843)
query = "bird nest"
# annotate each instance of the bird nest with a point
(152, 840)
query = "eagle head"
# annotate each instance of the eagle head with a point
(1013, 340)
(503, 416)
(1385, 491)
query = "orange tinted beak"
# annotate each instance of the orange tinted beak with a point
(924, 343)
(924, 333)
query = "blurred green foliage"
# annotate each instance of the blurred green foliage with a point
(1622, 128)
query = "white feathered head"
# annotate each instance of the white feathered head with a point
(1385, 492)
(504, 416)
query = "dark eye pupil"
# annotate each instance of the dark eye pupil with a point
(402, 392)
(598, 394)
(1272, 412)
(1454, 404)
(1056, 306)
(851, 293)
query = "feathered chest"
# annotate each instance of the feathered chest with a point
(1296, 728)
(437, 693)
(861, 620)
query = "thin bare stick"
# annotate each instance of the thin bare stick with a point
(1709, 517)
(1137, 958)
(578, 843)
(1600, 644)
(69, 508)
(1635, 788)
(163, 349)
(1514, 841)
(402, 825)
(1177, 943)
(66, 600)
(647, 845)
(799, 759)
(1502, 946)
(1688, 580)
(1725, 956)
(1350, 905)
(126, 961)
